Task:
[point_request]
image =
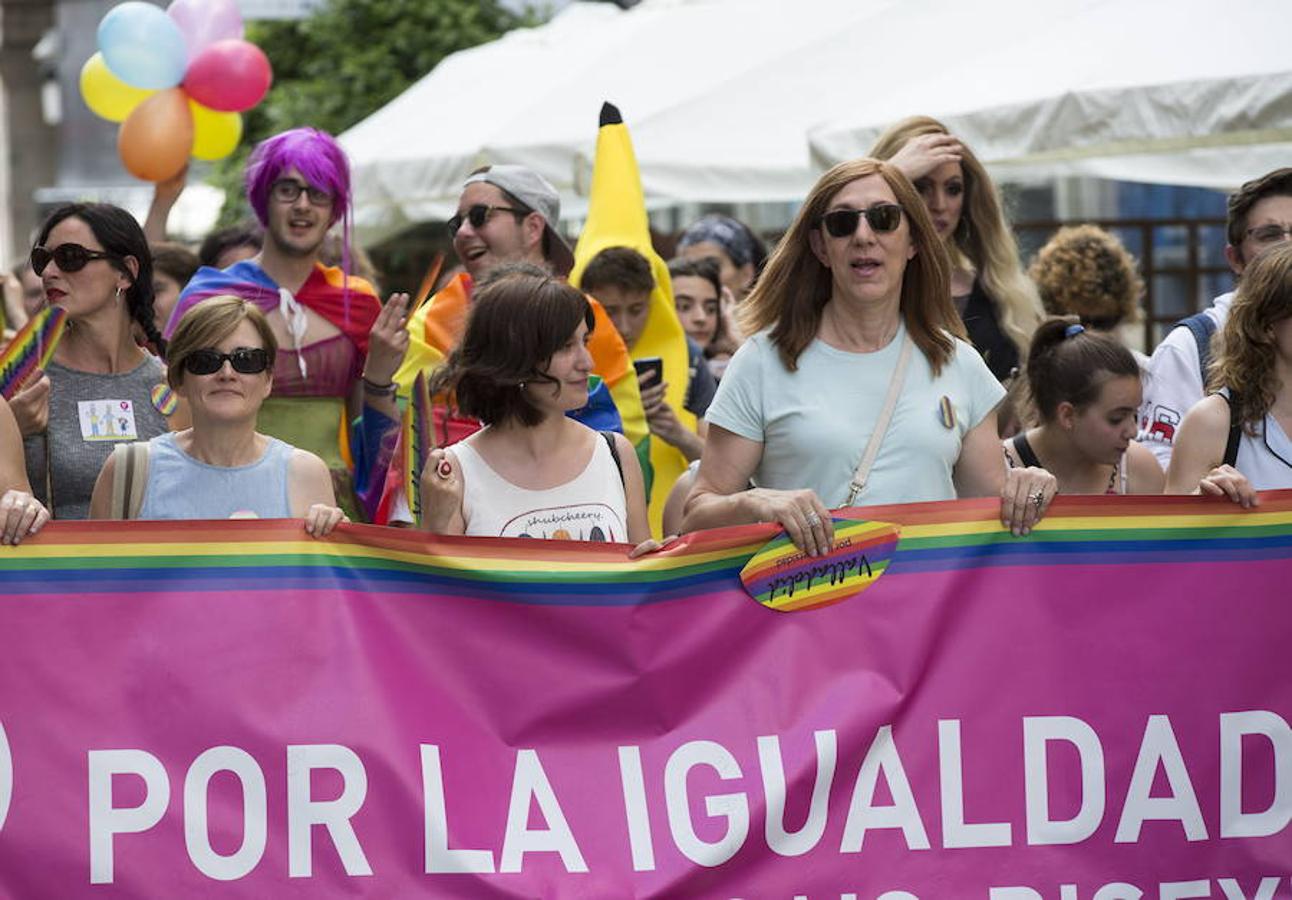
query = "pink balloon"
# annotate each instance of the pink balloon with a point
(229, 76)
(203, 22)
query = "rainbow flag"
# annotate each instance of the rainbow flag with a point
(31, 348)
(236, 709)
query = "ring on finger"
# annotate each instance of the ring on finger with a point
(1039, 500)
(813, 520)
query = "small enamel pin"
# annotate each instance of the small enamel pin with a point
(947, 412)
(164, 399)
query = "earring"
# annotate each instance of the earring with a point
(522, 385)
(118, 293)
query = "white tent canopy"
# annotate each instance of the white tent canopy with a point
(1166, 91)
(722, 95)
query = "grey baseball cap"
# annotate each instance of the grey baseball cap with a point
(536, 192)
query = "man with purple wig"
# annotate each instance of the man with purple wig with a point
(298, 183)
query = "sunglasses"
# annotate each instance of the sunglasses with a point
(478, 215)
(286, 190)
(882, 218)
(247, 360)
(70, 257)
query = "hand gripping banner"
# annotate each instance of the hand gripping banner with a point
(231, 709)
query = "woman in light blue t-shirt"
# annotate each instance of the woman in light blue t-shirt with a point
(860, 275)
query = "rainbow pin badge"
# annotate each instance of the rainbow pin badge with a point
(164, 399)
(947, 411)
(783, 578)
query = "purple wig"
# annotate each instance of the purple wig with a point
(313, 153)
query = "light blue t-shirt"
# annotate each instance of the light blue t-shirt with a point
(181, 487)
(814, 423)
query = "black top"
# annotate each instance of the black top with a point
(998, 351)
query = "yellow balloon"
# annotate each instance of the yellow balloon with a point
(107, 95)
(215, 134)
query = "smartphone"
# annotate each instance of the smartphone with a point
(645, 367)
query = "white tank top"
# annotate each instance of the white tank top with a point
(590, 507)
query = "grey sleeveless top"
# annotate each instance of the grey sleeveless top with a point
(89, 414)
(181, 487)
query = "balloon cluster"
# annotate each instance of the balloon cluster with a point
(175, 80)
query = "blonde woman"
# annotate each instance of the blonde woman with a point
(1236, 442)
(222, 362)
(998, 304)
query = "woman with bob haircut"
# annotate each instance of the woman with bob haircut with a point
(532, 471)
(222, 358)
(1236, 441)
(21, 514)
(101, 388)
(1085, 387)
(856, 386)
(999, 306)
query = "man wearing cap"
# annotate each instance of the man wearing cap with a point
(508, 214)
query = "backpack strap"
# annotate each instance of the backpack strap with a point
(130, 477)
(1235, 430)
(614, 452)
(1202, 327)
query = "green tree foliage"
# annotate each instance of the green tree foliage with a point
(347, 60)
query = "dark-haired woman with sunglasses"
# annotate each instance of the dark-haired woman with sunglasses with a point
(101, 388)
(221, 362)
(855, 337)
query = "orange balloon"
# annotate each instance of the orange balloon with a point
(156, 139)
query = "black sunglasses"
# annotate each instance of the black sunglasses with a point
(247, 360)
(478, 215)
(70, 257)
(882, 218)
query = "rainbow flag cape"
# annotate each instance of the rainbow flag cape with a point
(617, 218)
(31, 348)
(235, 709)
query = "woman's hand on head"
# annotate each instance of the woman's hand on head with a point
(21, 515)
(1025, 497)
(387, 341)
(921, 155)
(804, 517)
(1226, 481)
(321, 519)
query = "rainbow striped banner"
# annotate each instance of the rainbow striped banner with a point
(1097, 711)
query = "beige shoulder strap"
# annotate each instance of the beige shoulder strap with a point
(130, 477)
(881, 424)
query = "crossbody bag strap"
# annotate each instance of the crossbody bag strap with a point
(881, 424)
(129, 478)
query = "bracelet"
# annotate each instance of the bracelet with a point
(372, 387)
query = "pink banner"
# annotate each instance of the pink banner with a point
(1097, 712)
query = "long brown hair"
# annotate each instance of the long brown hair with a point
(795, 287)
(1245, 362)
(983, 238)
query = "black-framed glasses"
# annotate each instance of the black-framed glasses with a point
(286, 190)
(247, 360)
(882, 218)
(70, 257)
(479, 214)
(1269, 234)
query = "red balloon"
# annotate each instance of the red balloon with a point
(156, 139)
(229, 76)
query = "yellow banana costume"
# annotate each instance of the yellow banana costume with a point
(617, 218)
